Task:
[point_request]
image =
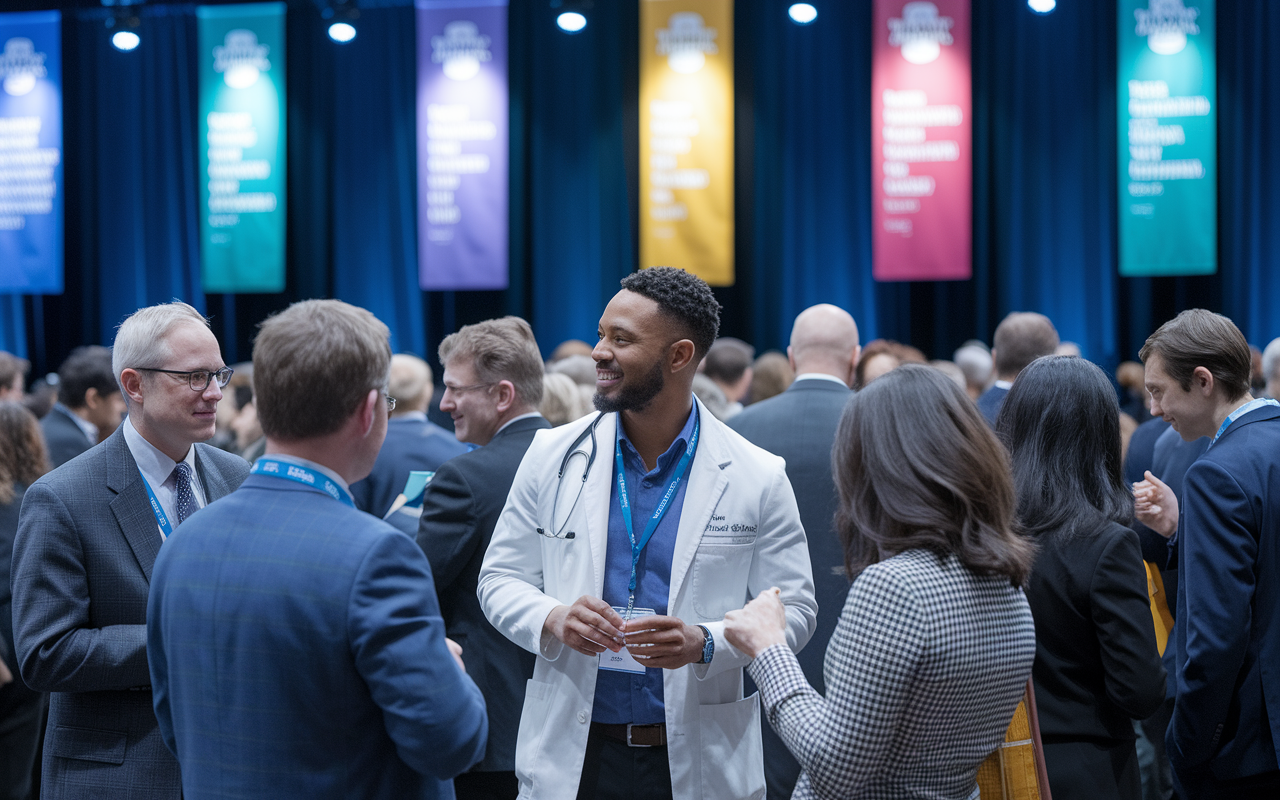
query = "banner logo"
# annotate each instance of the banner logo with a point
(460, 50)
(1166, 24)
(21, 66)
(241, 59)
(686, 42)
(920, 32)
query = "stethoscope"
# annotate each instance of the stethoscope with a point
(574, 450)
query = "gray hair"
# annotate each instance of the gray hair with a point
(142, 339)
(976, 364)
(1271, 361)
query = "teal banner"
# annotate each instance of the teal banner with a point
(242, 139)
(1168, 138)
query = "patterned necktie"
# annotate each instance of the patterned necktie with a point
(186, 500)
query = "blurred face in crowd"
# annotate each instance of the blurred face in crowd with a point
(1190, 412)
(14, 390)
(878, 365)
(634, 338)
(106, 413)
(472, 404)
(164, 408)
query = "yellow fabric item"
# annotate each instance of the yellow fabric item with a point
(1010, 772)
(1159, 606)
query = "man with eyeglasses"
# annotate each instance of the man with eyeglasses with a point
(492, 387)
(87, 539)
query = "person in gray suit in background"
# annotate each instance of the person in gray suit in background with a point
(90, 405)
(800, 425)
(88, 536)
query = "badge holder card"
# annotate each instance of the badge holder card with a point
(623, 661)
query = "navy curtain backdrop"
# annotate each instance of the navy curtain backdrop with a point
(1044, 190)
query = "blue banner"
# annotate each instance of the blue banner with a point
(31, 247)
(462, 144)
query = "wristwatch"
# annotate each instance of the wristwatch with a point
(708, 645)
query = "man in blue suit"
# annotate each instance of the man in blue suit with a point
(1224, 737)
(413, 442)
(295, 643)
(1020, 338)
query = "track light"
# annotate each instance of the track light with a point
(1042, 6)
(573, 14)
(342, 18)
(802, 13)
(124, 24)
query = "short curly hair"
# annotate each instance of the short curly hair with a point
(684, 297)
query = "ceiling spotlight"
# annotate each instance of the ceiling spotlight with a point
(571, 21)
(802, 13)
(342, 32)
(124, 24)
(1042, 6)
(125, 40)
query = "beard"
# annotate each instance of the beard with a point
(633, 396)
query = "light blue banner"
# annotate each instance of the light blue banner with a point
(31, 221)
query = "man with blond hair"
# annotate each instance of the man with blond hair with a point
(311, 661)
(492, 387)
(414, 443)
(87, 540)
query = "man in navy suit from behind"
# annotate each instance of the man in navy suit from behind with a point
(1224, 737)
(800, 425)
(1020, 338)
(295, 643)
(413, 442)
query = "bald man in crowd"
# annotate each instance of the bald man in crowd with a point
(800, 425)
(1020, 338)
(413, 442)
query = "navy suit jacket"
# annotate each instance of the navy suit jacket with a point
(297, 650)
(87, 541)
(459, 511)
(800, 425)
(1226, 719)
(411, 444)
(989, 403)
(63, 437)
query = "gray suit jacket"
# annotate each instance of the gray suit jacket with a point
(82, 559)
(63, 437)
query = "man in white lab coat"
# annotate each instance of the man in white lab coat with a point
(618, 553)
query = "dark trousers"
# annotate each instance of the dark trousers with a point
(486, 786)
(1255, 787)
(21, 725)
(615, 771)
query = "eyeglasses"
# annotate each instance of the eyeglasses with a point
(198, 379)
(465, 389)
(391, 402)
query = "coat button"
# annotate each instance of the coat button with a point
(582, 716)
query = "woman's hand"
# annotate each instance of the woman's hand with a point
(758, 625)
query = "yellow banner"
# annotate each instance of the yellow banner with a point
(686, 137)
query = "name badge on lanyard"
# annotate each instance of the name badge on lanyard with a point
(162, 519)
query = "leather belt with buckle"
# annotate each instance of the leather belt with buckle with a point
(634, 735)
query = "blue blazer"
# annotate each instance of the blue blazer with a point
(1228, 624)
(297, 650)
(411, 444)
(990, 401)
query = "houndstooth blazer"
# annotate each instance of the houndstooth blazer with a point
(923, 673)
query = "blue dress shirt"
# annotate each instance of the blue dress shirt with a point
(623, 697)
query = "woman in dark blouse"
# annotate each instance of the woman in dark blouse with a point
(1097, 666)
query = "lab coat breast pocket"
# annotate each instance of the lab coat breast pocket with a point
(720, 569)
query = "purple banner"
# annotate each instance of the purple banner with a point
(462, 144)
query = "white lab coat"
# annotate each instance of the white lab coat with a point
(739, 534)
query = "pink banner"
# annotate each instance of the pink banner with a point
(921, 141)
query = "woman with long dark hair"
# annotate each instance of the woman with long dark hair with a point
(23, 459)
(935, 642)
(1097, 666)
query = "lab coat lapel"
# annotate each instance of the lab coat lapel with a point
(708, 479)
(595, 497)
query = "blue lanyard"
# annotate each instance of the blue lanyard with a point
(162, 519)
(1252, 405)
(658, 513)
(303, 475)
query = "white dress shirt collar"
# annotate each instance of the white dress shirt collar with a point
(157, 469)
(530, 415)
(819, 376)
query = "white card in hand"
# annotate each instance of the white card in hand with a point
(623, 661)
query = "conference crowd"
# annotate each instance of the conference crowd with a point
(662, 566)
